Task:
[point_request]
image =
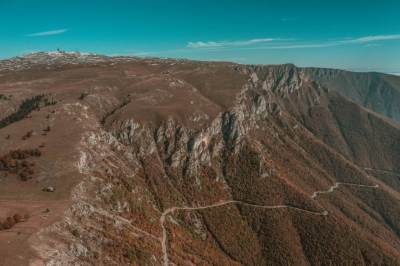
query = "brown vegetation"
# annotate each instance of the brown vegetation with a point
(11, 221)
(16, 162)
(178, 133)
(26, 108)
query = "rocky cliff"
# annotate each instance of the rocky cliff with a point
(160, 162)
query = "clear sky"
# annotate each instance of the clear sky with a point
(358, 35)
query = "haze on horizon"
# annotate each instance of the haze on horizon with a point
(355, 35)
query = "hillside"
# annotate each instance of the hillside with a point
(129, 161)
(376, 91)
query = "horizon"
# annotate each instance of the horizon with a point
(195, 60)
(335, 34)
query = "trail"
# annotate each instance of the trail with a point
(168, 211)
(336, 185)
(220, 204)
(382, 170)
(123, 221)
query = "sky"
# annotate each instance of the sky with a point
(355, 35)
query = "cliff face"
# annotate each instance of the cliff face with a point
(207, 164)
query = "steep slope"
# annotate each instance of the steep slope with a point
(376, 91)
(173, 161)
(362, 136)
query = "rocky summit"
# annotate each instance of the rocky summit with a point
(147, 161)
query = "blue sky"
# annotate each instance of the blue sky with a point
(357, 35)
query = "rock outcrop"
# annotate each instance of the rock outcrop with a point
(199, 163)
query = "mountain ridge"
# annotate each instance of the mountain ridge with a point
(125, 142)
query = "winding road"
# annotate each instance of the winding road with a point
(164, 237)
(382, 171)
(168, 211)
(336, 185)
(220, 204)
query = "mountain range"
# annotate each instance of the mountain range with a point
(148, 161)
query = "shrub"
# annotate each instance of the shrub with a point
(11, 221)
(15, 162)
(83, 95)
(6, 225)
(17, 218)
(27, 135)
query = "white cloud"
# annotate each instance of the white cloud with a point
(368, 41)
(278, 43)
(372, 45)
(47, 33)
(214, 44)
(373, 38)
(298, 46)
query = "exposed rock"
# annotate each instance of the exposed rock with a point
(180, 162)
(49, 189)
